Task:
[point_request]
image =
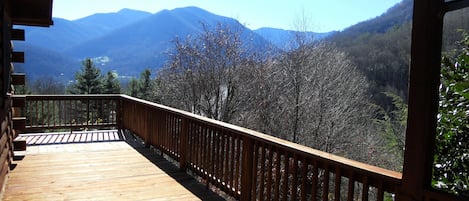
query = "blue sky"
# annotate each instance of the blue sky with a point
(323, 15)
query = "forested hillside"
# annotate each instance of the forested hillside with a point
(380, 47)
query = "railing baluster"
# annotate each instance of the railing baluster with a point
(380, 191)
(337, 184)
(238, 162)
(304, 167)
(262, 172)
(269, 173)
(325, 186)
(205, 154)
(223, 150)
(255, 172)
(246, 171)
(285, 186)
(294, 177)
(184, 144)
(218, 158)
(277, 175)
(210, 154)
(365, 189)
(351, 187)
(232, 162)
(227, 171)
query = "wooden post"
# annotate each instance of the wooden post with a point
(146, 126)
(183, 147)
(246, 169)
(423, 98)
(119, 113)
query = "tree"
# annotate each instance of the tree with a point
(111, 84)
(88, 80)
(323, 99)
(46, 85)
(132, 87)
(293, 65)
(142, 87)
(145, 85)
(201, 75)
(451, 165)
(390, 125)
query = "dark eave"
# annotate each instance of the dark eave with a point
(451, 5)
(31, 12)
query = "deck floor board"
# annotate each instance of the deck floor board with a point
(117, 170)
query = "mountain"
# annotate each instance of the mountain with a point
(380, 47)
(106, 22)
(44, 47)
(126, 42)
(129, 41)
(65, 34)
(395, 16)
(41, 62)
(281, 37)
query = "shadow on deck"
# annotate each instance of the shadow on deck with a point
(97, 165)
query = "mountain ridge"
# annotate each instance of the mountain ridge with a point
(141, 41)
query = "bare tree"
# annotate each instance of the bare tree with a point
(315, 96)
(201, 76)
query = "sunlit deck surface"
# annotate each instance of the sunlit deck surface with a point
(100, 165)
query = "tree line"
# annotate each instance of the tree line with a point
(311, 94)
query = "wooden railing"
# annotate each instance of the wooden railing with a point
(69, 111)
(253, 166)
(245, 164)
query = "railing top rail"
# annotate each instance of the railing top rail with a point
(68, 96)
(340, 162)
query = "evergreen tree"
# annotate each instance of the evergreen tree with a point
(88, 80)
(144, 88)
(141, 87)
(111, 84)
(132, 88)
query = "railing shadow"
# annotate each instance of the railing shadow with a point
(84, 136)
(183, 178)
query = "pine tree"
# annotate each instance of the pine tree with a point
(132, 88)
(88, 80)
(144, 87)
(111, 84)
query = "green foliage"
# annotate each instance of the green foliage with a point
(142, 87)
(88, 80)
(111, 84)
(22, 90)
(132, 88)
(451, 165)
(392, 125)
(145, 84)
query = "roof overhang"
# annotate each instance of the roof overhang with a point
(31, 12)
(451, 5)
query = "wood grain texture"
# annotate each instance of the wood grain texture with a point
(117, 170)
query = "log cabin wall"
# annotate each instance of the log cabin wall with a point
(14, 12)
(6, 133)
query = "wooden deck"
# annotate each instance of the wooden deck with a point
(98, 169)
